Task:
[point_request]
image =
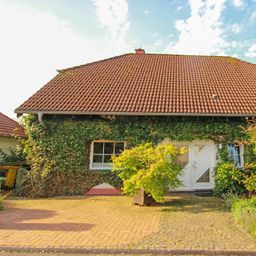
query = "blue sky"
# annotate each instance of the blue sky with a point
(40, 36)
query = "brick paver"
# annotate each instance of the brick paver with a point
(187, 222)
(76, 222)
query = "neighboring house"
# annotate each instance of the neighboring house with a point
(9, 131)
(153, 97)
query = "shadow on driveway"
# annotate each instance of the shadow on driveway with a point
(193, 204)
(16, 219)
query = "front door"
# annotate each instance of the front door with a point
(198, 166)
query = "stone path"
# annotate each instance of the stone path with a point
(198, 223)
(184, 223)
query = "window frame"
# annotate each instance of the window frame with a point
(241, 155)
(95, 168)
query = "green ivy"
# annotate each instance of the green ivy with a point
(58, 149)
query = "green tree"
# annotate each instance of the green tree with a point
(153, 169)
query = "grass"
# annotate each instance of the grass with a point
(244, 211)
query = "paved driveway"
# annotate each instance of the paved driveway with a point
(185, 223)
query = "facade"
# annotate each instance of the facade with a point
(196, 102)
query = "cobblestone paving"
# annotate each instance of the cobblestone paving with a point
(184, 223)
(198, 223)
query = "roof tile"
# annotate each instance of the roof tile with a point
(151, 83)
(9, 127)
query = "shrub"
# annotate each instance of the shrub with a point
(22, 186)
(249, 180)
(1, 200)
(13, 154)
(244, 211)
(229, 200)
(228, 180)
(153, 169)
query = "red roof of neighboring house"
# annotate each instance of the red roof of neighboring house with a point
(151, 84)
(9, 127)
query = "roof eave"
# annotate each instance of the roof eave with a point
(17, 111)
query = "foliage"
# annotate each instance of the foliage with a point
(153, 169)
(228, 179)
(22, 186)
(249, 180)
(60, 146)
(251, 131)
(244, 211)
(229, 200)
(13, 154)
(1, 205)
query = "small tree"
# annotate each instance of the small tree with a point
(153, 169)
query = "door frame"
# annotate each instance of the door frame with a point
(188, 177)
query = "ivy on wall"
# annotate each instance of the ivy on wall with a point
(59, 148)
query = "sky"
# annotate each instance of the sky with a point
(37, 37)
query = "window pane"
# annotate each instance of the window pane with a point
(234, 154)
(119, 147)
(98, 147)
(109, 147)
(205, 177)
(97, 159)
(183, 159)
(107, 159)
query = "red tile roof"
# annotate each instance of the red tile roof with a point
(159, 84)
(9, 127)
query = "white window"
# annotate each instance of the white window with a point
(235, 154)
(101, 153)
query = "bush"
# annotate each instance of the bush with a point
(1, 206)
(13, 154)
(244, 211)
(22, 185)
(250, 178)
(229, 200)
(228, 180)
(153, 169)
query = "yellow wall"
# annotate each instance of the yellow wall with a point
(6, 143)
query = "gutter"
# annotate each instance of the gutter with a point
(41, 113)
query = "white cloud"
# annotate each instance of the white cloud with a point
(253, 16)
(33, 45)
(236, 28)
(146, 12)
(251, 53)
(180, 7)
(238, 3)
(202, 32)
(112, 15)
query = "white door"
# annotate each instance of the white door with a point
(198, 166)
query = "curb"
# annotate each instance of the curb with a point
(124, 251)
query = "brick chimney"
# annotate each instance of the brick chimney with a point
(139, 51)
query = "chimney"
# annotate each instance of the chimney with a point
(139, 51)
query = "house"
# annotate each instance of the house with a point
(10, 130)
(197, 102)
